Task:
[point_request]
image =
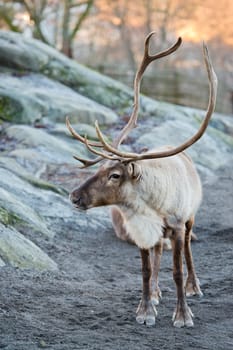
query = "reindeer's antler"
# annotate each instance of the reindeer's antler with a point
(85, 162)
(147, 59)
(128, 156)
(78, 137)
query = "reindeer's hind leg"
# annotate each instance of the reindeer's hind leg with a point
(192, 286)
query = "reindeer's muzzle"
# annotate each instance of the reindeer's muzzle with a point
(79, 199)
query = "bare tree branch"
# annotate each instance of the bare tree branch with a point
(8, 19)
(82, 17)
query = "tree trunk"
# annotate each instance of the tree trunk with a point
(66, 43)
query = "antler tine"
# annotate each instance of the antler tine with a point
(147, 59)
(78, 137)
(101, 154)
(110, 148)
(87, 162)
(213, 82)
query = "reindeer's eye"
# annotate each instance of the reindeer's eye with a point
(114, 176)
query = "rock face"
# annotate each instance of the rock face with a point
(27, 97)
(30, 98)
(20, 252)
(38, 87)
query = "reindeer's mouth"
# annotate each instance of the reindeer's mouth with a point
(79, 202)
(80, 208)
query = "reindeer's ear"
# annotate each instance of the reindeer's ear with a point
(134, 170)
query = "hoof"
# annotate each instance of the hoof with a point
(167, 244)
(193, 288)
(183, 317)
(155, 301)
(182, 323)
(146, 319)
(146, 313)
(156, 296)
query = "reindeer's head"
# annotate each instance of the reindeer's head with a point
(108, 185)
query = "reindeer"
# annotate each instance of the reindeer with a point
(155, 193)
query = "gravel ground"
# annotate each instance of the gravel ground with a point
(91, 302)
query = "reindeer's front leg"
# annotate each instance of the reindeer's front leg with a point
(182, 315)
(146, 311)
(156, 254)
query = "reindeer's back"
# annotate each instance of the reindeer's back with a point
(171, 185)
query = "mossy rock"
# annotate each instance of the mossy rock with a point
(12, 165)
(30, 55)
(18, 214)
(9, 218)
(30, 98)
(18, 251)
(10, 109)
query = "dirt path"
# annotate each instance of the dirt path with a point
(90, 303)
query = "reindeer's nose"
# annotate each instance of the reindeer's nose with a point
(78, 200)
